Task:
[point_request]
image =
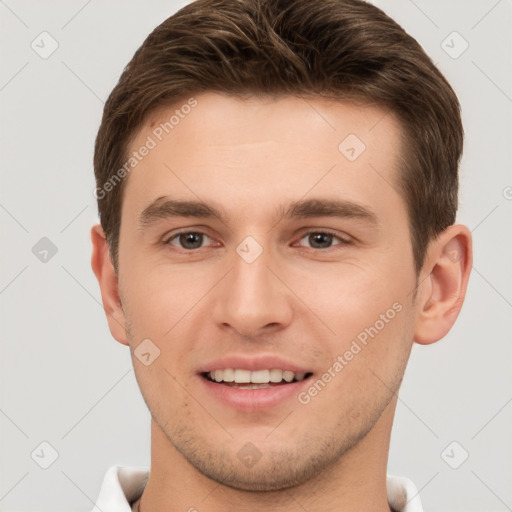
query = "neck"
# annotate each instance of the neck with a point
(356, 482)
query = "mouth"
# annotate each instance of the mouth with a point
(259, 379)
(251, 383)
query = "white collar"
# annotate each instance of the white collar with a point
(124, 484)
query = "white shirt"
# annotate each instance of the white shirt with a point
(122, 485)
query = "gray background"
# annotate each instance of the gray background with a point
(65, 381)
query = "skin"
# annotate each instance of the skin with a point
(301, 300)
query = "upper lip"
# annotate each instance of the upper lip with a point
(252, 363)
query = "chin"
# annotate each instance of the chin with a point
(268, 477)
(274, 468)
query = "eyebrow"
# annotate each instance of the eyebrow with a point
(165, 207)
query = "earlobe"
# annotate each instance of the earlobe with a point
(109, 284)
(449, 261)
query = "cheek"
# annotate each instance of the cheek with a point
(351, 297)
(157, 300)
(159, 307)
(163, 387)
(362, 374)
(371, 315)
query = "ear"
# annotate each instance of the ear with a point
(443, 284)
(109, 284)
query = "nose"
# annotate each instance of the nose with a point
(252, 298)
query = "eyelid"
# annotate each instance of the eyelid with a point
(344, 237)
(173, 234)
(187, 229)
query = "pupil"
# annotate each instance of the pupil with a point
(317, 237)
(188, 238)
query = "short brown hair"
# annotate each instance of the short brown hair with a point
(338, 49)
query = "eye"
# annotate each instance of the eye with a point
(193, 240)
(322, 239)
(188, 239)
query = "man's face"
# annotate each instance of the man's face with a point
(263, 288)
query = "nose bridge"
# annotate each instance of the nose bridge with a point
(252, 296)
(251, 276)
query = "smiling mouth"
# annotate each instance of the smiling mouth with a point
(259, 379)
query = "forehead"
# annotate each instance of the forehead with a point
(259, 149)
(229, 118)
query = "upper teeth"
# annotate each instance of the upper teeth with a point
(256, 377)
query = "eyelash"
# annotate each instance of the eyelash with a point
(168, 240)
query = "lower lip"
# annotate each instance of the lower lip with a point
(253, 399)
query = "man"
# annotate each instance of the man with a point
(277, 187)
